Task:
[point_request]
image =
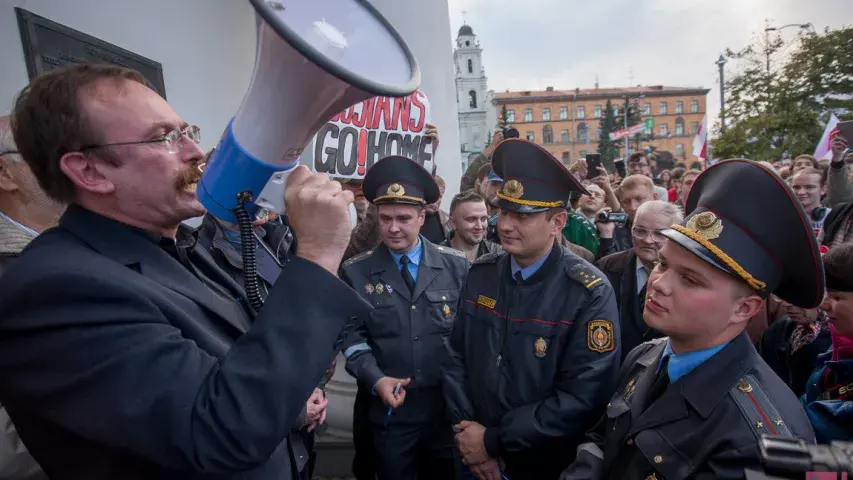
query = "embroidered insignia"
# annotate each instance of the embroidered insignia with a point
(513, 189)
(358, 257)
(388, 287)
(379, 288)
(486, 301)
(540, 348)
(368, 289)
(629, 389)
(600, 336)
(396, 190)
(706, 224)
(446, 310)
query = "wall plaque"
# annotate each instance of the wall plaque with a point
(48, 45)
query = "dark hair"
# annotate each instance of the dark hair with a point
(48, 120)
(838, 267)
(484, 171)
(463, 197)
(636, 157)
(676, 173)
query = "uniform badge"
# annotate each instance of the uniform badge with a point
(540, 348)
(388, 287)
(396, 190)
(706, 224)
(446, 310)
(486, 301)
(599, 336)
(379, 288)
(513, 189)
(368, 289)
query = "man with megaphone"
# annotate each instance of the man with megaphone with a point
(125, 352)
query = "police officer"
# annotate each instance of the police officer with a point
(694, 404)
(396, 351)
(534, 353)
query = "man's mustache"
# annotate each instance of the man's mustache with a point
(188, 177)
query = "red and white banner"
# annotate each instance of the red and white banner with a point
(627, 132)
(700, 141)
(824, 149)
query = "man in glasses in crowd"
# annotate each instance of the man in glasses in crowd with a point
(125, 351)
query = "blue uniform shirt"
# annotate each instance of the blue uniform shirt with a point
(680, 364)
(528, 271)
(414, 258)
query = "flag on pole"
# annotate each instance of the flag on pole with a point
(824, 149)
(700, 141)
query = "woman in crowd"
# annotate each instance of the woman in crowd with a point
(829, 393)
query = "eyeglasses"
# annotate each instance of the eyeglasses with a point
(173, 140)
(643, 233)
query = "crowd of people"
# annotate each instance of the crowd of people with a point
(555, 323)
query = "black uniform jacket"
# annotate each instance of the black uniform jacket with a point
(406, 334)
(705, 425)
(116, 361)
(534, 362)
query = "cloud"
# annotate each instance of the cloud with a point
(570, 43)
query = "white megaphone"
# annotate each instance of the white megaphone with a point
(314, 59)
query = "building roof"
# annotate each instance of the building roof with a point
(550, 93)
(466, 30)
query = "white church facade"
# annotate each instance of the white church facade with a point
(473, 98)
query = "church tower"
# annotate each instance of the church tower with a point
(471, 94)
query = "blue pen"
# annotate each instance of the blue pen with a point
(391, 409)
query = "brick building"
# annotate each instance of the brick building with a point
(566, 122)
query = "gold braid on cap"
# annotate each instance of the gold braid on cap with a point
(400, 197)
(531, 203)
(729, 261)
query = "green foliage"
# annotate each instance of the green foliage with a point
(609, 149)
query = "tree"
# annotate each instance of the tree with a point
(635, 116)
(775, 110)
(609, 149)
(503, 121)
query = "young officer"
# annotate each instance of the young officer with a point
(396, 351)
(694, 404)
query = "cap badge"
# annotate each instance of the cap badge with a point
(706, 224)
(513, 189)
(540, 348)
(396, 190)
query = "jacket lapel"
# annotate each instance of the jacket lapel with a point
(130, 247)
(384, 268)
(430, 261)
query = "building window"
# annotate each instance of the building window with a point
(679, 149)
(510, 116)
(547, 134)
(615, 110)
(581, 113)
(564, 113)
(530, 136)
(564, 136)
(679, 107)
(664, 129)
(679, 126)
(546, 114)
(528, 115)
(647, 109)
(472, 102)
(583, 133)
(598, 133)
(596, 111)
(694, 128)
(470, 66)
(663, 108)
(566, 158)
(694, 106)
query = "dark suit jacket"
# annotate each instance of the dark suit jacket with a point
(621, 270)
(117, 362)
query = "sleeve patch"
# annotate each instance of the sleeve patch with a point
(599, 336)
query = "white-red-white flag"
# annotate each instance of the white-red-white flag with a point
(824, 149)
(700, 141)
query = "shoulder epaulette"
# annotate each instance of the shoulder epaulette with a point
(489, 257)
(450, 251)
(757, 408)
(358, 258)
(585, 274)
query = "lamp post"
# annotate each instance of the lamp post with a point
(768, 29)
(721, 62)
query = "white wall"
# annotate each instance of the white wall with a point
(206, 47)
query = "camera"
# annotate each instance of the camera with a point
(785, 457)
(612, 217)
(510, 133)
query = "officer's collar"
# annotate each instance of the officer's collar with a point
(543, 271)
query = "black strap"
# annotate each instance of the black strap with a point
(407, 275)
(519, 278)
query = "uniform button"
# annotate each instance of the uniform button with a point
(609, 405)
(418, 370)
(416, 338)
(443, 298)
(658, 459)
(414, 307)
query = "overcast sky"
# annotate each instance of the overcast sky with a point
(566, 43)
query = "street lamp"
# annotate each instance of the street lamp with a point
(801, 26)
(721, 62)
